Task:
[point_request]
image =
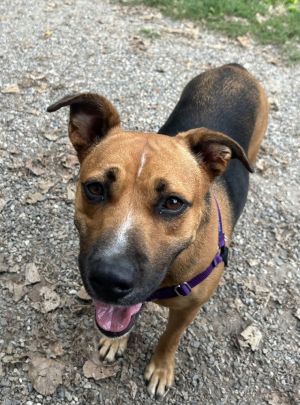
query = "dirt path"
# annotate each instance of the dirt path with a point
(52, 48)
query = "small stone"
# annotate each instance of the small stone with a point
(252, 337)
(297, 314)
(11, 89)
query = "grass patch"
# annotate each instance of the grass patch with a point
(268, 21)
(149, 33)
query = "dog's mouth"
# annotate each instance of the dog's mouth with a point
(115, 320)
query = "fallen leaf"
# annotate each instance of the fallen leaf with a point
(100, 371)
(44, 298)
(11, 89)
(46, 185)
(260, 165)
(43, 87)
(274, 104)
(70, 192)
(244, 40)
(47, 34)
(35, 112)
(252, 337)
(34, 198)
(31, 274)
(52, 136)
(34, 168)
(134, 388)
(192, 32)
(55, 349)
(45, 374)
(70, 161)
(253, 262)
(19, 290)
(83, 295)
(138, 43)
(276, 399)
(51, 299)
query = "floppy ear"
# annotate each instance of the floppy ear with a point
(213, 149)
(91, 117)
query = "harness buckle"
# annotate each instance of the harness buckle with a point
(182, 290)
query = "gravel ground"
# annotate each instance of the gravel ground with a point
(140, 61)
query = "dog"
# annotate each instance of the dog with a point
(156, 211)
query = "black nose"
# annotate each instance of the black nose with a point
(111, 278)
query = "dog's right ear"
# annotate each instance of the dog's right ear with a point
(91, 118)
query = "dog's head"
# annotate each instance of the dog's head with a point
(139, 202)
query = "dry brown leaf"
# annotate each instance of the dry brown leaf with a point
(34, 198)
(260, 165)
(35, 112)
(83, 295)
(134, 388)
(32, 275)
(100, 371)
(46, 185)
(11, 89)
(52, 136)
(43, 87)
(192, 32)
(70, 161)
(48, 34)
(70, 192)
(19, 290)
(244, 40)
(251, 337)
(55, 349)
(45, 374)
(51, 299)
(34, 168)
(44, 298)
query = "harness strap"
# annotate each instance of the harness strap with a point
(186, 287)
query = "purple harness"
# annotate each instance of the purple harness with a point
(185, 288)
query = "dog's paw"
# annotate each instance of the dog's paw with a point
(111, 349)
(159, 375)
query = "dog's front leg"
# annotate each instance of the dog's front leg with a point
(159, 373)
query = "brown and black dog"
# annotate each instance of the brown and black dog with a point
(147, 204)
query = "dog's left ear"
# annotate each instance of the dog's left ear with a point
(213, 149)
(91, 118)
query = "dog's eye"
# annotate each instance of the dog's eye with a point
(172, 206)
(94, 191)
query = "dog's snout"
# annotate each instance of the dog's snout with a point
(111, 279)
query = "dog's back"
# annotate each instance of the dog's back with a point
(227, 99)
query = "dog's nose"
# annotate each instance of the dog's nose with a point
(111, 279)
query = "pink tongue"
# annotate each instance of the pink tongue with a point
(114, 318)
